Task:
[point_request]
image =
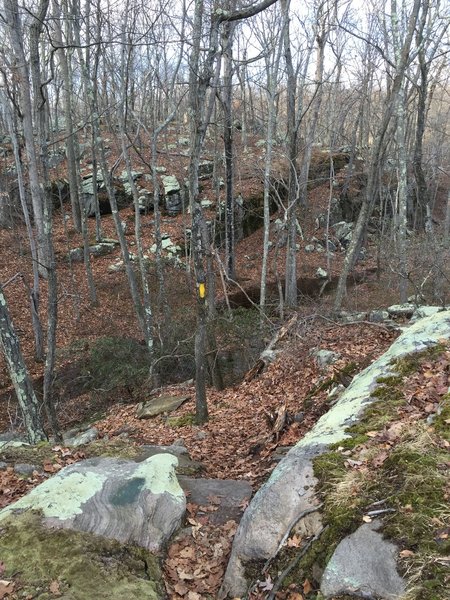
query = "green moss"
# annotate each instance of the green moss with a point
(442, 421)
(182, 421)
(407, 365)
(412, 481)
(35, 455)
(352, 442)
(84, 565)
(115, 448)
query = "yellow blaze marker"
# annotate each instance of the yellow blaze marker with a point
(201, 290)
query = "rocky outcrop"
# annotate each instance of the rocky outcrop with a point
(140, 503)
(364, 564)
(289, 497)
(157, 406)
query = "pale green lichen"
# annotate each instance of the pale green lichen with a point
(159, 474)
(62, 496)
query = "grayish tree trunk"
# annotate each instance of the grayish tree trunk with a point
(26, 397)
(16, 36)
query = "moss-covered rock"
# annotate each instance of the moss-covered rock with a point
(83, 565)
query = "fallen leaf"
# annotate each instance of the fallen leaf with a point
(187, 552)
(295, 596)
(372, 434)
(181, 589)
(367, 519)
(6, 588)
(406, 553)
(379, 459)
(307, 587)
(214, 499)
(184, 575)
(266, 585)
(294, 541)
(54, 588)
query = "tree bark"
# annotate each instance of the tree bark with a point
(26, 397)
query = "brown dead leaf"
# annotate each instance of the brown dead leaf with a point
(187, 552)
(406, 553)
(183, 575)
(294, 542)
(307, 587)
(295, 596)
(214, 500)
(181, 589)
(54, 588)
(380, 458)
(6, 588)
(367, 519)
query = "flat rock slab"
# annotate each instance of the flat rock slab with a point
(157, 406)
(227, 496)
(290, 491)
(140, 503)
(186, 465)
(364, 564)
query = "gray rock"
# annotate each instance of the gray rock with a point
(378, 316)
(157, 406)
(116, 267)
(186, 465)
(170, 183)
(310, 248)
(364, 564)
(12, 444)
(205, 169)
(55, 159)
(325, 357)
(134, 174)
(140, 503)
(269, 356)
(85, 437)
(227, 496)
(425, 311)
(3, 465)
(25, 469)
(321, 273)
(401, 310)
(348, 317)
(290, 490)
(173, 204)
(100, 249)
(207, 203)
(335, 392)
(343, 231)
(11, 436)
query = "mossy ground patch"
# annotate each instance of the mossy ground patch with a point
(85, 566)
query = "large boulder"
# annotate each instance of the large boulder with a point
(288, 497)
(364, 564)
(139, 503)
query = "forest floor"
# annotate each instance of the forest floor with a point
(238, 440)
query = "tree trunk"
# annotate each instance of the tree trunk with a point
(26, 397)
